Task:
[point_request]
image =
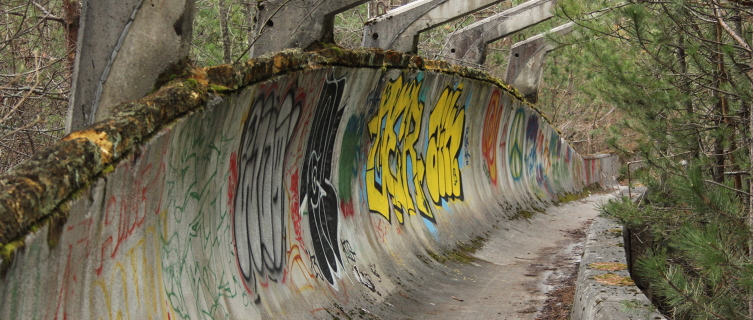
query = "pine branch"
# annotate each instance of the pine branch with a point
(688, 297)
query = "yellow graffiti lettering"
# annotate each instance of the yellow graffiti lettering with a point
(131, 285)
(446, 125)
(395, 173)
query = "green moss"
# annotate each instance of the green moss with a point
(218, 88)
(108, 169)
(463, 253)
(7, 252)
(180, 69)
(56, 225)
(573, 196)
(523, 214)
(570, 197)
(192, 82)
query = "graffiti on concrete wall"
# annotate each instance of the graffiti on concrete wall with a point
(395, 171)
(351, 158)
(492, 120)
(532, 141)
(446, 136)
(317, 188)
(196, 228)
(400, 167)
(515, 144)
(242, 208)
(260, 205)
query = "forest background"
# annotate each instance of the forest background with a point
(37, 50)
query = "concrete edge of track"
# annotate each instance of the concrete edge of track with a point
(594, 298)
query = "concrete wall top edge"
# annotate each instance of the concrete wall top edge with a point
(37, 190)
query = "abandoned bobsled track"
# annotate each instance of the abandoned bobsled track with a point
(297, 185)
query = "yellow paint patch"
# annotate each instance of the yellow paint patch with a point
(278, 63)
(608, 266)
(614, 280)
(98, 138)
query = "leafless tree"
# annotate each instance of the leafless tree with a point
(36, 53)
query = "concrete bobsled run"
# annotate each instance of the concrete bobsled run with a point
(295, 186)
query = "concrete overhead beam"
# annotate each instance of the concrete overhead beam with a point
(467, 46)
(524, 66)
(399, 29)
(123, 46)
(283, 24)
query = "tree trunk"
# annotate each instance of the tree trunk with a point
(718, 168)
(224, 32)
(682, 57)
(71, 17)
(250, 11)
(750, 198)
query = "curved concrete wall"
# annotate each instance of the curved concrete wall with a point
(602, 169)
(310, 191)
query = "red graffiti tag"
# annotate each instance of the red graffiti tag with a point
(489, 136)
(295, 207)
(232, 184)
(129, 210)
(347, 208)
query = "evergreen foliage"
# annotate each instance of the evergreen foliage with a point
(680, 72)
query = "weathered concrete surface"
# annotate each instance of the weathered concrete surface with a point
(467, 46)
(596, 299)
(123, 47)
(302, 185)
(399, 29)
(526, 61)
(284, 24)
(602, 169)
(514, 271)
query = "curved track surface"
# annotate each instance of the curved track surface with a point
(513, 274)
(325, 190)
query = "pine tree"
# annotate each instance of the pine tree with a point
(680, 71)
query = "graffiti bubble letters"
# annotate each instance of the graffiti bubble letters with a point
(446, 128)
(489, 136)
(258, 222)
(395, 172)
(317, 189)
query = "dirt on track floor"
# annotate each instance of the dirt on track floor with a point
(525, 271)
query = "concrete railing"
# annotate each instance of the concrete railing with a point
(605, 289)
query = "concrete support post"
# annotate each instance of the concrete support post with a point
(123, 46)
(283, 24)
(526, 60)
(467, 46)
(399, 29)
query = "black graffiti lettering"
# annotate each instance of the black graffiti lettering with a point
(320, 197)
(363, 278)
(348, 251)
(258, 222)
